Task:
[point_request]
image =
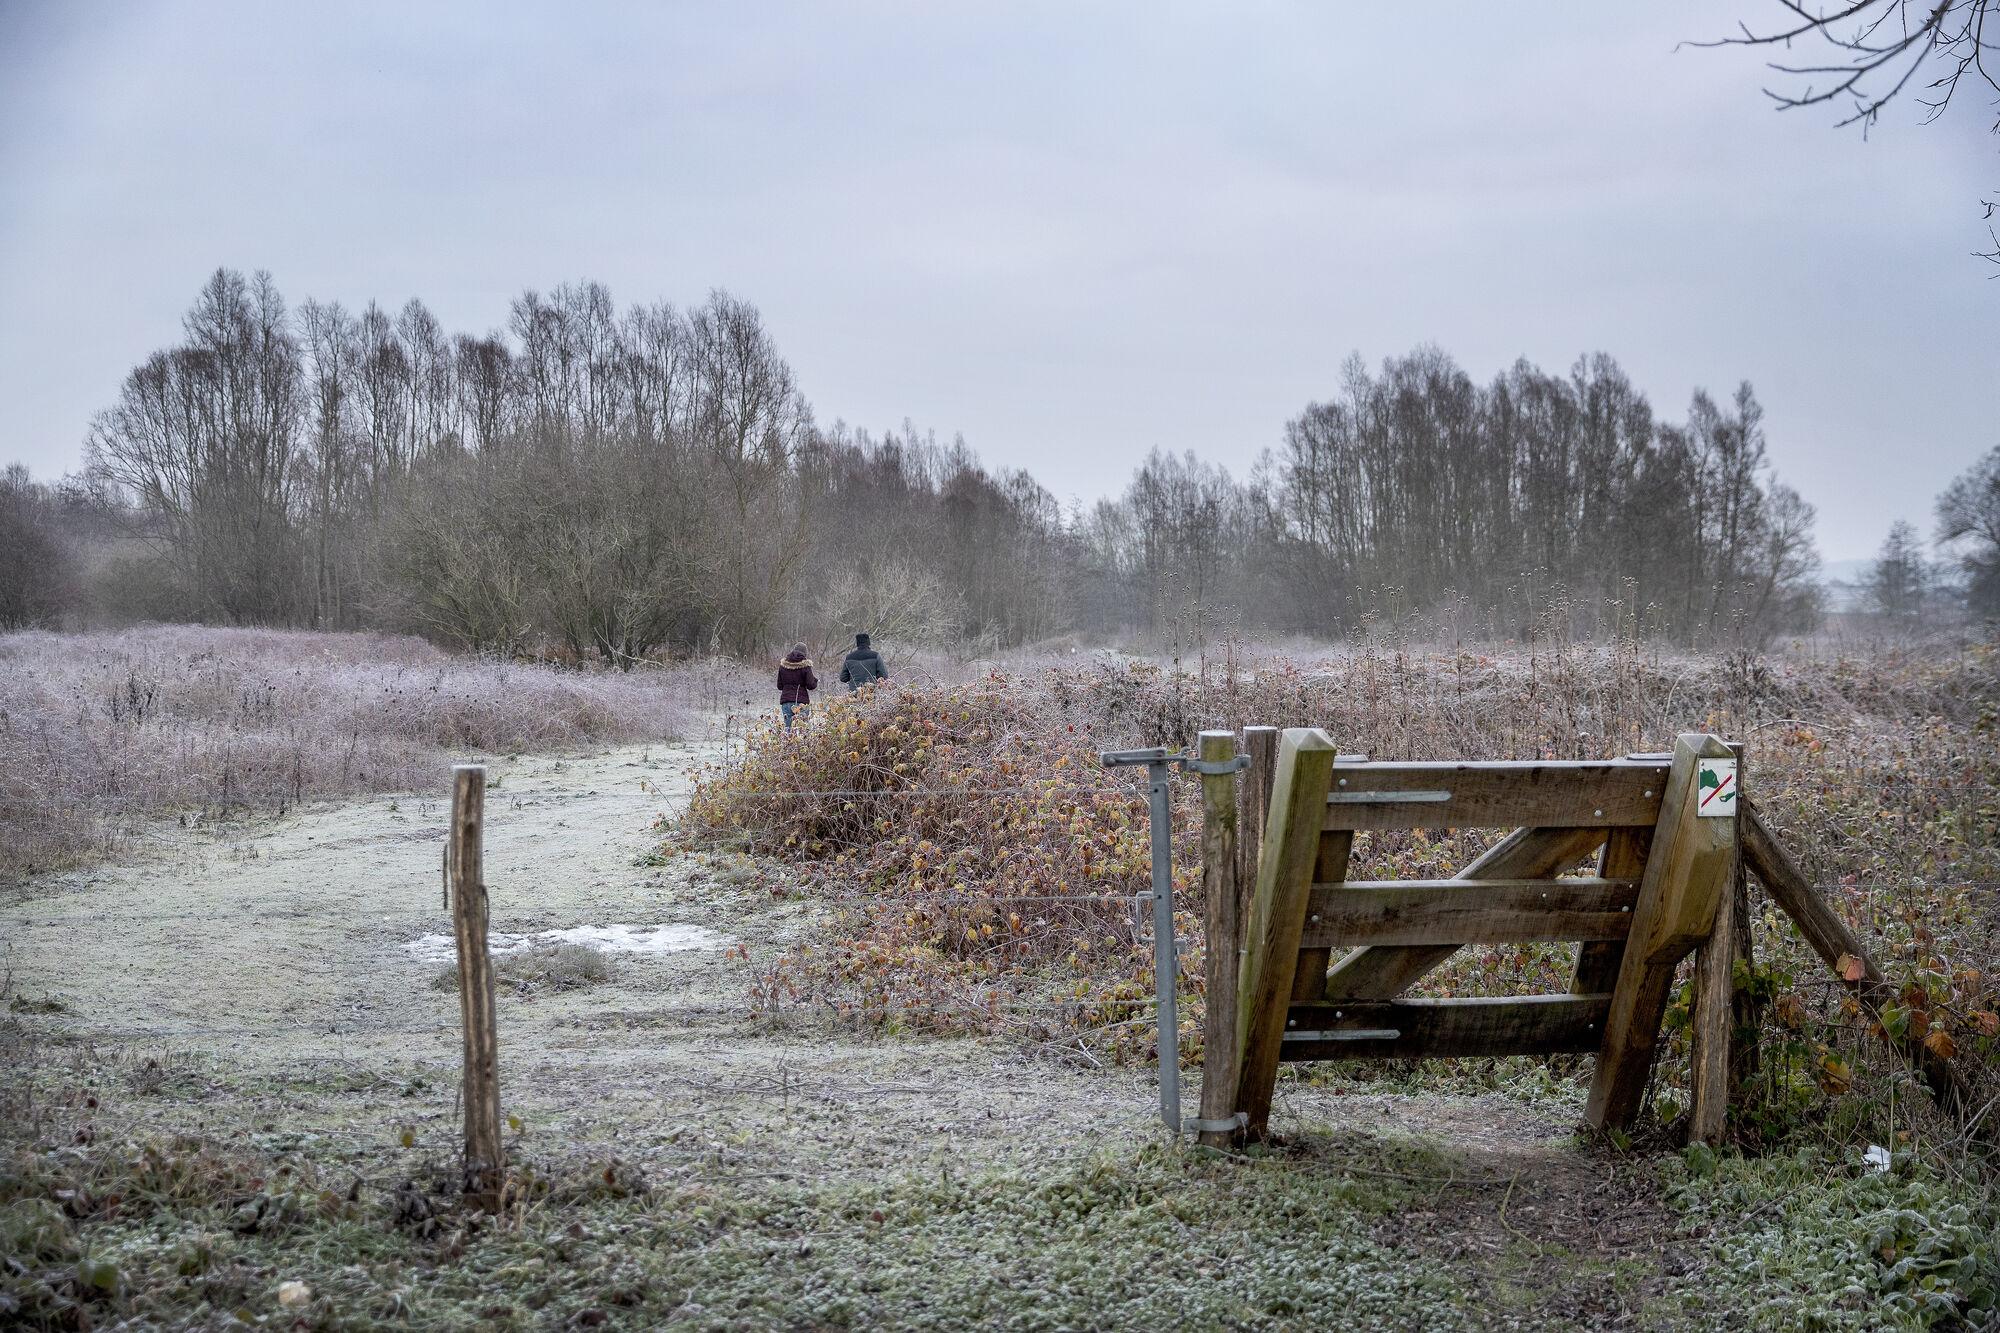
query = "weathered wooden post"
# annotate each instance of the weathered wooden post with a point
(1253, 807)
(1711, 1069)
(1223, 909)
(485, 1157)
(1694, 851)
(1277, 916)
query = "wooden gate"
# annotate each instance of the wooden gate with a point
(1325, 958)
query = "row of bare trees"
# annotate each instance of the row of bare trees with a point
(1484, 509)
(623, 482)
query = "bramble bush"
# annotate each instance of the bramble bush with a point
(978, 862)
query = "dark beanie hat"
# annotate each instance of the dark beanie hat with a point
(861, 641)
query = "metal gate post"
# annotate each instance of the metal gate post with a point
(1166, 952)
(1166, 962)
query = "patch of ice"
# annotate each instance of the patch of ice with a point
(657, 939)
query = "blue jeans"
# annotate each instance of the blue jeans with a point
(788, 709)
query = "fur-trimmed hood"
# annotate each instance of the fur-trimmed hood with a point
(799, 663)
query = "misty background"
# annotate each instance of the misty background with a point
(1073, 235)
(1081, 260)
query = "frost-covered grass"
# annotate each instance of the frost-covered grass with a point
(183, 1233)
(1346, 1229)
(1797, 1242)
(96, 729)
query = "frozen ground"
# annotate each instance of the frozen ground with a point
(268, 983)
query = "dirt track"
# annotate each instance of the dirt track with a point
(262, 967)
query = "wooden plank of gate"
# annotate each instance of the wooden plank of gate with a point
(1277, 916)
(1574, 793)
(1624, 857)
(1254, 808)
(1380, 971)
(1450, 911)
(1685, 877)
(1330, 868)
(1502, 1025)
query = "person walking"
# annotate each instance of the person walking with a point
(796, 682)
(863, 666)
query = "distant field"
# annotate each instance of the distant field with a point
(100, 730)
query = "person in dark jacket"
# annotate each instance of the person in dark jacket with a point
(796, 682)
(863, 666)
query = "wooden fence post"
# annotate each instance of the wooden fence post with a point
(1253, 807)
(1223, 907)
(1685, 876)
(1278, 916)
(485, 1157)
(1712, 1070)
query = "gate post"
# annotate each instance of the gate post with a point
(1159, 764)
(1712, 1062)
(1693, 854)
(1217, 755)
(1166, 962)
(1277, 918)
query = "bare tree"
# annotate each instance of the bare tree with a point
(38, 568)
(1880, 49)
(1968, 520)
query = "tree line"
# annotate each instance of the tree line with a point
(617, 482)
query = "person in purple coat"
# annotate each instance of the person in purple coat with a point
(796, 682)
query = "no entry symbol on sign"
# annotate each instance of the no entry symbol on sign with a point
(1716, 788)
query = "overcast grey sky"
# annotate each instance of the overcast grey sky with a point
(1072, 232)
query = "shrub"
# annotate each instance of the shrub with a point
(974, 852)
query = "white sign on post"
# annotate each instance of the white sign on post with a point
(1716, 788)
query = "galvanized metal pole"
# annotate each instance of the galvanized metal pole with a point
(1159, 764)
(1166, 963)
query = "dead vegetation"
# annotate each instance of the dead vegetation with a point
(981, 864)
(545, 968)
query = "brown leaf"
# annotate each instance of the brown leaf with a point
(1940, 1044)
(1851, 968)
(1986, 1021)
